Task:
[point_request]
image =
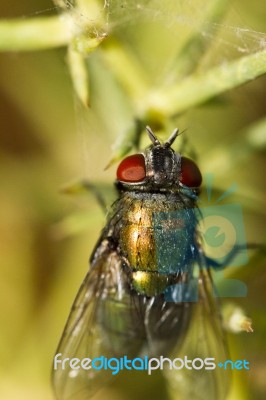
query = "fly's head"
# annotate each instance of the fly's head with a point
(158, 168)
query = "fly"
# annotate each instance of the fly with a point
(149, 290)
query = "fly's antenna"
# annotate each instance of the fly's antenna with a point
(153, 138)
(172, 138)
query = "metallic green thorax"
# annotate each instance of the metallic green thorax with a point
(155, 233)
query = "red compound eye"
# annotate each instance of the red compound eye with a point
(132, 169)
(190, 173)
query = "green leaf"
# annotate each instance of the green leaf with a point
(79, 74)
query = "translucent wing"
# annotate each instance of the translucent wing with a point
(203, 339)
(103, 323)
(167, 321)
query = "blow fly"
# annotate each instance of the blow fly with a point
(148, 293)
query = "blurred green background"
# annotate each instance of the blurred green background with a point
(48, 139)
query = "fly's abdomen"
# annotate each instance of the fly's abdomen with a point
(156, 239)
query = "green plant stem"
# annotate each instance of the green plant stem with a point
(198, 89)
(34, 34)
(194, 49)
(127, 69)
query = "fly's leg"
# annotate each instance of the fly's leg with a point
(96, 192)
(236, 250)
(102, 193)
(234, 317)
(228, 287)
(232, 287)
